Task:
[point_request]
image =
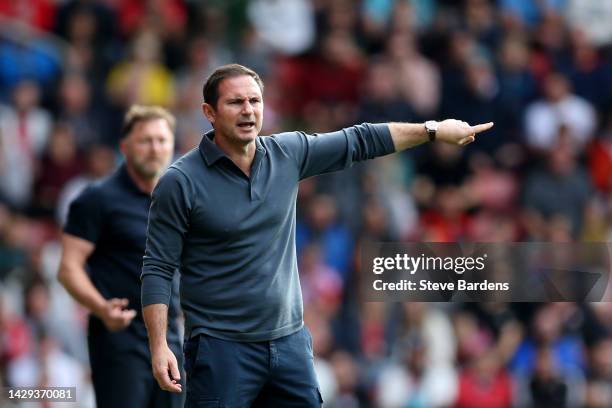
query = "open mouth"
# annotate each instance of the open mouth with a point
(247, 125)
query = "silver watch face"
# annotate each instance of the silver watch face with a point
(431, 125)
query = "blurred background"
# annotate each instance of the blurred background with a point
(540, 69)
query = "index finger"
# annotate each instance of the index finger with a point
(482, 127)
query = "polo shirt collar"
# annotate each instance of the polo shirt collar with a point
(209, 150)
(212, 153)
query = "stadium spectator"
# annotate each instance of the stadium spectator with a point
(560, 187)
(142, 78)
(559, 109)
(25, 127)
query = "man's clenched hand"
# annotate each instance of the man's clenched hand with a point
(115, 315)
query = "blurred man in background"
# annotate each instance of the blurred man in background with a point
(103, 243)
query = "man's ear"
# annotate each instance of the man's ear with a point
(209, 112)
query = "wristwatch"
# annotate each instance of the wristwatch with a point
(431, 126)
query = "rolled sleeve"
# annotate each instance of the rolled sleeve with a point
(166, 231)
(327, 152)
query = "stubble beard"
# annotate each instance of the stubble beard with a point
(148, 172)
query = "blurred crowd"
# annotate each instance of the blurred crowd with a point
(540, 69)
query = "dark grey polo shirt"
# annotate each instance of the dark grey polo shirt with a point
(233, 237)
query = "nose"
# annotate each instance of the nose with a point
(247, 108)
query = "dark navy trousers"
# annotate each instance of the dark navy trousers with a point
(122, 376)
(230, 374)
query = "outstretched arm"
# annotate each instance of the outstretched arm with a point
(406, 135)
(322, 153)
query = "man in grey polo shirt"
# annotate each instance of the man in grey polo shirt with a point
(224, 216)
